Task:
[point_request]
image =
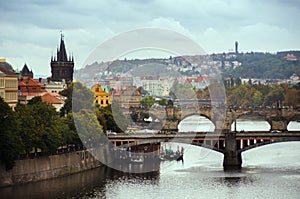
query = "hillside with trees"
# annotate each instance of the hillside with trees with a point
(253, 65)
(265, 66)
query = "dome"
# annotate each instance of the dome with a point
(5, 65)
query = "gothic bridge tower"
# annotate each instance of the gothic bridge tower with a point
(62, 66)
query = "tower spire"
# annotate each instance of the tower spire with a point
(62, 53)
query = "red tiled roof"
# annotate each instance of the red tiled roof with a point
(196, 79)
(49, 98)
(290, 56)
(30, 87)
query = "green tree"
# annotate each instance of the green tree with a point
(40, 126)
(27, 124)
(88, 127)
(162, 102)
(115, 119)
(148, 101)
(82, 98)
(67, 108)
(237, 95)
(68, 130)
(275, 95)
(257, 98)
(291, 98)
(10, 141)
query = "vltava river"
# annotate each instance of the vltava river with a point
(271, 171)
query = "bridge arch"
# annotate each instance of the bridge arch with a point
(197, 118)
(266, 142)
(258, 120)
(198, 114)
(267, 154)
(293, 125)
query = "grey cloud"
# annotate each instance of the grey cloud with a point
(215, 23)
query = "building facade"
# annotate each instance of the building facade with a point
(9, 87)
(129, 97)
(101, 97)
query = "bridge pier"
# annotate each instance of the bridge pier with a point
(279, 125)
(232, 156)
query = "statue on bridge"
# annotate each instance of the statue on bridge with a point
(172, 120)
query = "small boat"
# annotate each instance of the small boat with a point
(139, 159)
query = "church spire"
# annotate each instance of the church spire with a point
(62, 53)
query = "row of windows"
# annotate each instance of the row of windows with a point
(11, 96)
(2, 94)
(8, 83)
(11, 83)
(102, 102)
(1, 82)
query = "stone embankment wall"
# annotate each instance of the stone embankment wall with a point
(42, 168)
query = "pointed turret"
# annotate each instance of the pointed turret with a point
(62, 53)
(25, 72)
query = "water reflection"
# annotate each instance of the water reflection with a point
(89, 184)
(59, 187)
(136, 167)
(235, 181)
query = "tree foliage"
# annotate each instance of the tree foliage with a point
(41, 128)
(10, 142)
(112, 118)
(264, 65)
(162, 102)
(263, 95)
(148, 101)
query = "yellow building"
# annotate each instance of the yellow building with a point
(8, 84)
(100, 96)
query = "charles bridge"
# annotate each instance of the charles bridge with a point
(221, 117)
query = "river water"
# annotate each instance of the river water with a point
(271, 171)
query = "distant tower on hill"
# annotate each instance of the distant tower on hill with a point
(236, 47)
(62, 66)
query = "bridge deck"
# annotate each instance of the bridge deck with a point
(250, 134)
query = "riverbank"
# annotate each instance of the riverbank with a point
(47, 167)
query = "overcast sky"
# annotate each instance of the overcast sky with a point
(30, 29)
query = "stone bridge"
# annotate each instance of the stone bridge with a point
(221, 117)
